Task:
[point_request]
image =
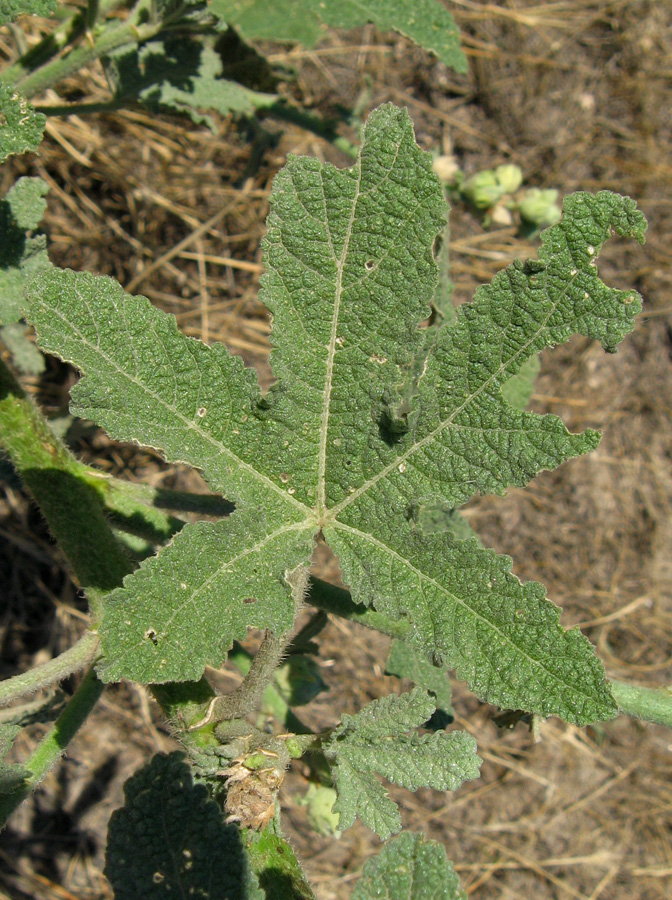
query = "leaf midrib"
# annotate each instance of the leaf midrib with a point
(331, 347)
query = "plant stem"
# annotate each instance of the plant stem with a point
(78, 657)
(246, 698)
(275, 865)
(650, 704)
(53, 744)
(69, 502)
(110, 37)
(53, 43)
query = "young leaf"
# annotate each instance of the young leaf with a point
(406, 661)
(375, 741)
(169, 839)
(427, 22)
(409, 867)
(22, 127)
(350, 278)
(10, 9)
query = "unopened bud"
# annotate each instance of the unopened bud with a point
(510, 177)
(482, 190)
(538, 207)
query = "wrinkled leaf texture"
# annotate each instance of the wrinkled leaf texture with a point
(350, 277)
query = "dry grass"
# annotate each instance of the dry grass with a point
(578, 94)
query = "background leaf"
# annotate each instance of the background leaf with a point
(22, 127)
(10, 9)
(169, 840)
(409, 867)
(427, 22)
(181, 75)
(406, 661)
(12, 775)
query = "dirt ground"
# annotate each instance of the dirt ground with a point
(577, 93)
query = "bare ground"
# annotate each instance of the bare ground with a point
(578, 94)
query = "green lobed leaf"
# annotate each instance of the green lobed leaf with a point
(409, 867)
(183, 75)
(169, 839)
(375, 741)
(427, 22)
(350, 278)
(22, 127)
(12, 775)
(10, 9)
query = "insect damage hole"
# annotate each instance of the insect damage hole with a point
(151, 635)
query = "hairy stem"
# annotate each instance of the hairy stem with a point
(78, 657)
(108, 38)
(70, 503)
(54, 743)
(247, 697)
(275, 865)
(53, 43)
(650, 704)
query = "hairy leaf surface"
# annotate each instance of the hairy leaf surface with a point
(22, 127)
(427, 22)
(169, 839)
(409, 868)
(375, 741)
(350, 277)
(10, 9)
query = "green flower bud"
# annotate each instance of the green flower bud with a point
(510, 177)
(482, 190)
(538, 207)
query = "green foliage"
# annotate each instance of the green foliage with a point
(405, 661)
(22, 127)
(350, 277)
(21, 257)
(298, 680)
(375, 741)
(169, 839)
(10, 9)
(180, 75)
(427, 22)
(409, 868)
(12, 776)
